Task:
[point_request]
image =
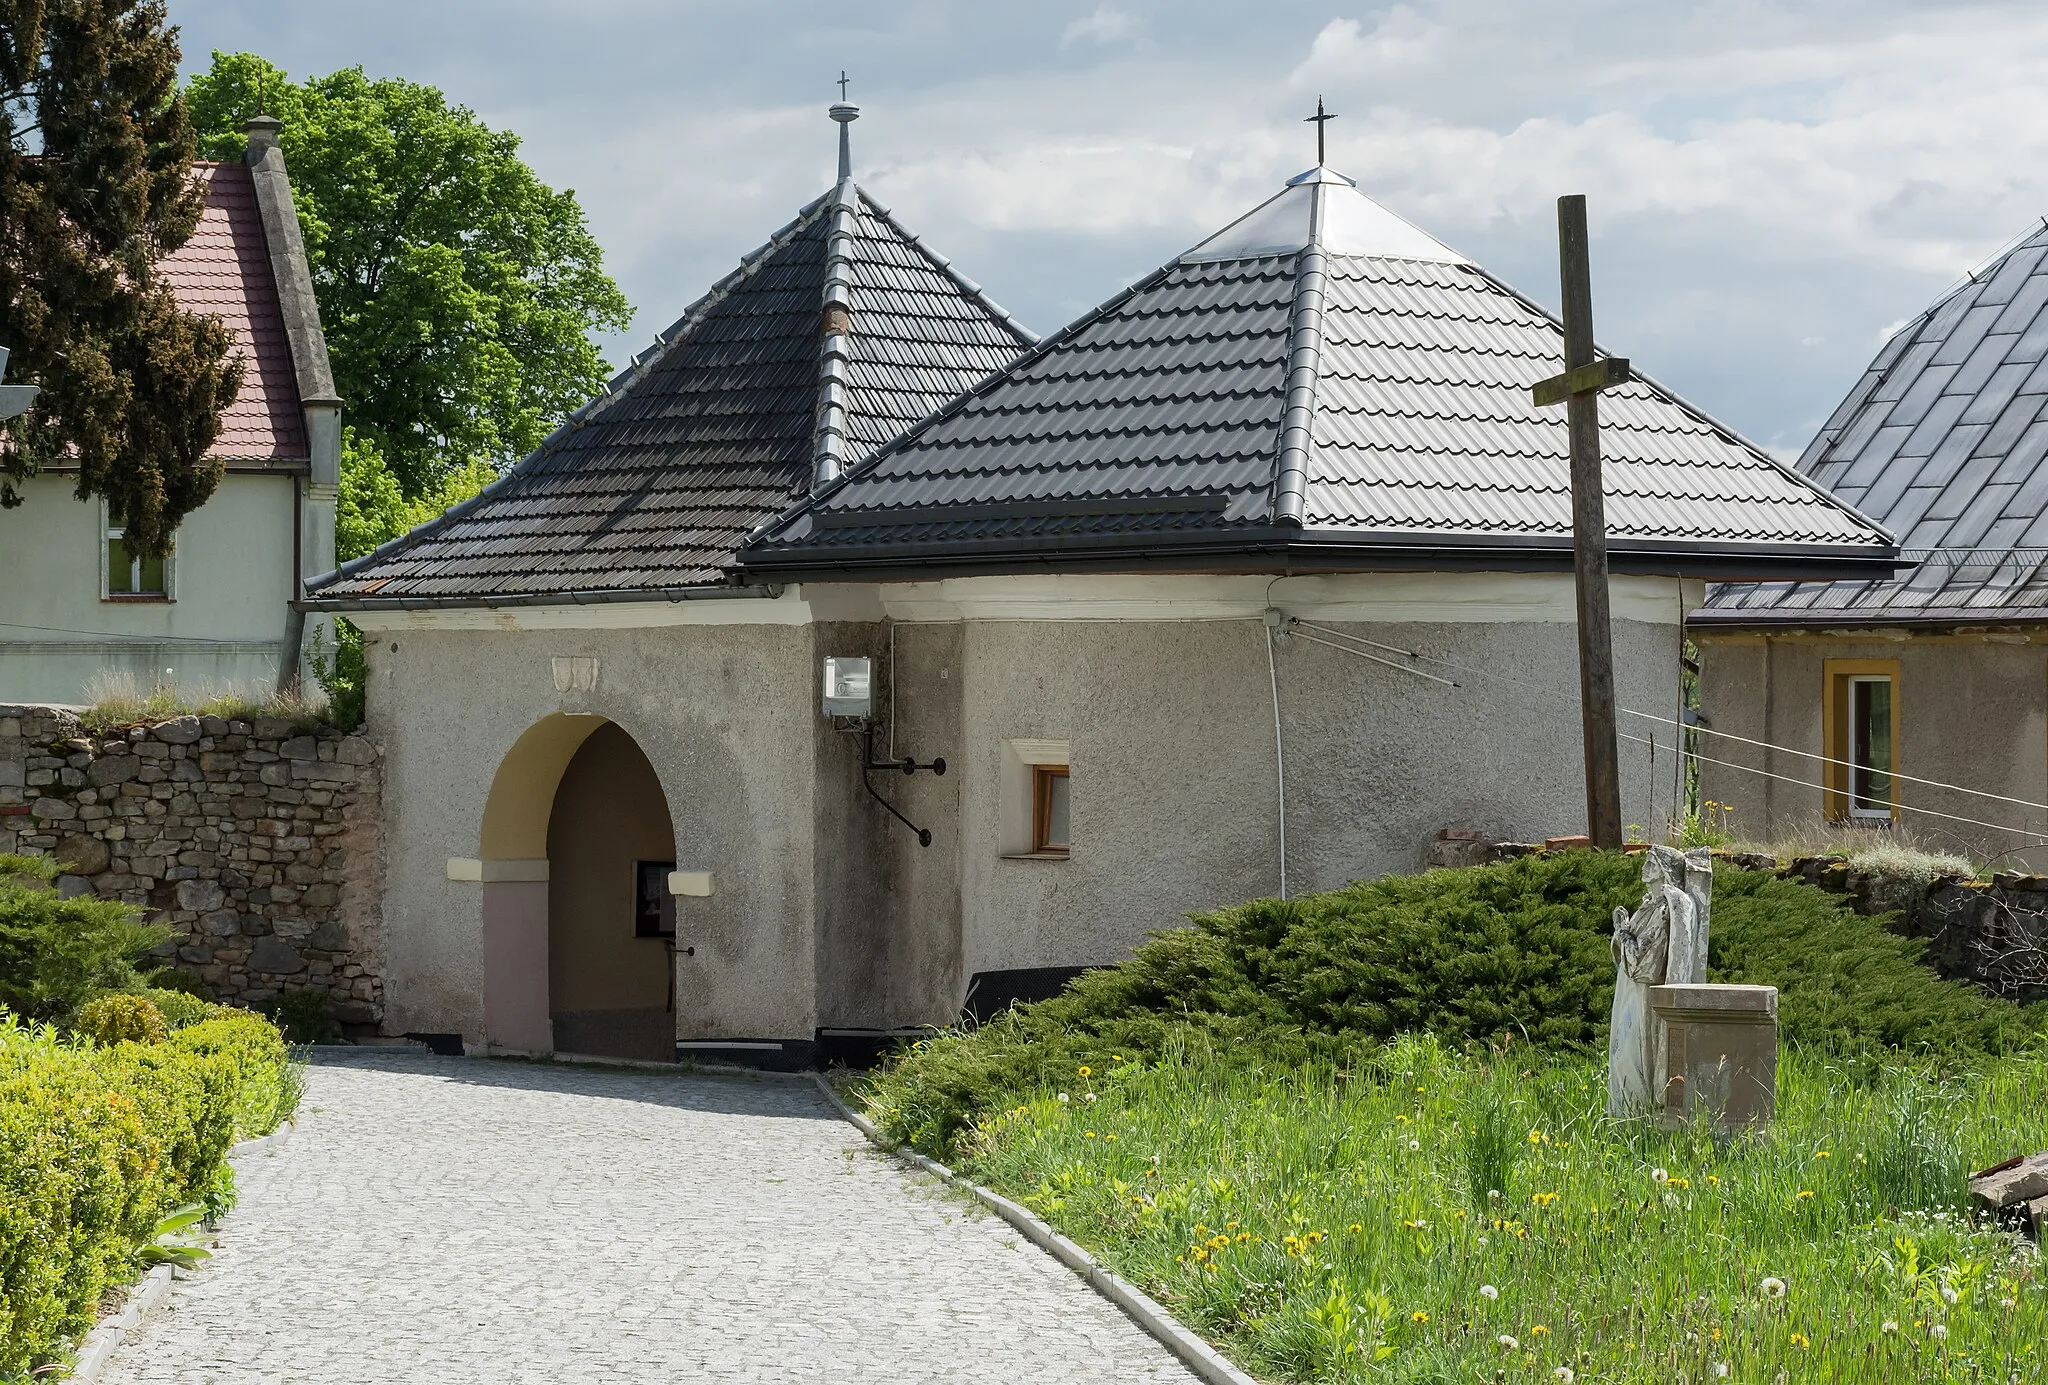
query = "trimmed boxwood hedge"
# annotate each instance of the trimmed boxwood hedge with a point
(98, 1143)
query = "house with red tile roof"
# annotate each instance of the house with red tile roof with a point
(217, 612)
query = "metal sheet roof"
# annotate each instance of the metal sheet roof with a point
(1153, 426)
(1943, 440)
(652, 486)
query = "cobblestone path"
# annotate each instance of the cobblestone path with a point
(456, 1220)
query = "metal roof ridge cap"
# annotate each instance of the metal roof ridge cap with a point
(828, 419)
(945, 267)
(1673, 397)
(1304, 363)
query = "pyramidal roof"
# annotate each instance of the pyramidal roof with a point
(1945, 441)
(1320, 384)
(829, 340)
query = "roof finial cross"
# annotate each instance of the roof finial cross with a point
(1320, 119)
(842, 84)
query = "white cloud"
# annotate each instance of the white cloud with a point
(1106, 25)
(1770, 181)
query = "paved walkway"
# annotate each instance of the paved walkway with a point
(453, 1220)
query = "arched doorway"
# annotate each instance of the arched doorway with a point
(576, 839)
(611, 920)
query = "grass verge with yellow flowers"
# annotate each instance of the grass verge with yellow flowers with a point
(1344, 1205)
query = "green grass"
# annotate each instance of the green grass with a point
(1317, 1130)
(1326, 1224)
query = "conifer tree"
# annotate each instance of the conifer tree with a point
(96, 187)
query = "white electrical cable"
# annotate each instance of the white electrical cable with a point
(1361, 654)
(1279, 753)
(1846, 764)
(1705, 730)
(1806, 784)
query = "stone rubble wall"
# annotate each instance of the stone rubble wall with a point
(257, 841)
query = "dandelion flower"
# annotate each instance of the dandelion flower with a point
(1418, 1316)
(1801, 1340)
(1508, 1343)
(2005, 1303)
(1482, 1240)
(1414, 1145)
(1806, 1194)
(1938, 1332)
(1539, 1330)
(1085, 1071)
(1949, 1295)
(1354, 1228)
(1535, 1137)
(1563, 1373)
(1821, 1154)
(1090, 1096)
(1720, 1370)
(1493, 1194)
(1773, 1287)
(1659, 1176)
(1488, 1292)
(1061, 1098)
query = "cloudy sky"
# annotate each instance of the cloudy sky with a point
(1772, 186)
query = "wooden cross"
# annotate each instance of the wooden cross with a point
(842, 84)
(1320, 119)
(1578, 389)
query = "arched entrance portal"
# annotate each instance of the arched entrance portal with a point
(577, 844)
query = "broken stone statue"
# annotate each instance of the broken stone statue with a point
(1664, 942)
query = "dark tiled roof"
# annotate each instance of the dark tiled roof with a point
(1945, 441)
(655, 484)
(1157, 424)
(225, 270)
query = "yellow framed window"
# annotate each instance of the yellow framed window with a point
(1860, 723)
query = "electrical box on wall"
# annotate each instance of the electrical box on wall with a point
(849, 687)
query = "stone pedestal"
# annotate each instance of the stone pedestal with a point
(1714, 1050)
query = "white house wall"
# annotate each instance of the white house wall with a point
(231, 578)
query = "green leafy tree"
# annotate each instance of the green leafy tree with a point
(96, 187)
(456, 288)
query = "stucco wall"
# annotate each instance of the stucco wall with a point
(1174, 782)
(826, 913)
(231, 578)
(1972, 712)
(725, 715)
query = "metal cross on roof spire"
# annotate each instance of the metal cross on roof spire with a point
(842, 84)
(1320, 119)
(845, 114)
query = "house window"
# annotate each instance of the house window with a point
(654, 908)
(1035, 801)
(130, 575)
(1861, 719)
(1049, 810)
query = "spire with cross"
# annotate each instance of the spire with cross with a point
(845, 114)
(1320, 119)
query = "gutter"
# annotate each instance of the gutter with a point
(767, 591)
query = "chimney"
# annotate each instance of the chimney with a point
(262, 131)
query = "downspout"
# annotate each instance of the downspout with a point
(288, 654)
(1304, 362)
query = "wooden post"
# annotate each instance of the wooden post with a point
(1582, 383)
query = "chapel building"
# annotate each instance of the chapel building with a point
(1248, 582)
